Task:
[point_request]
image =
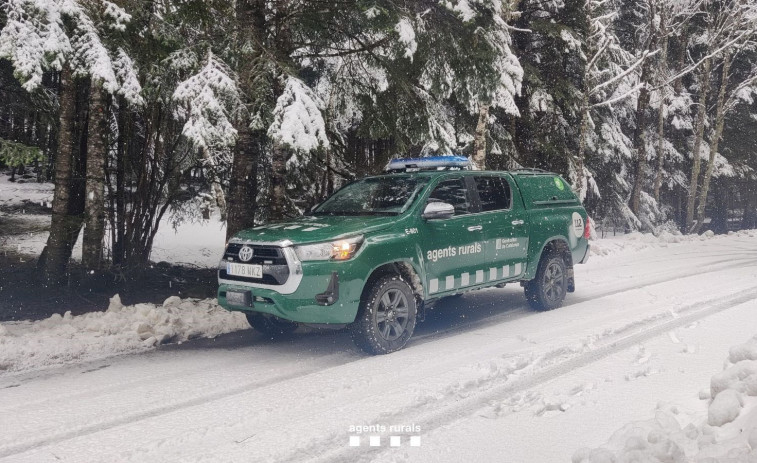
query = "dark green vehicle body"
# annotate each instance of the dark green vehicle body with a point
(475, 248)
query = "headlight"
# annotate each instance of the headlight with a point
(335, 250)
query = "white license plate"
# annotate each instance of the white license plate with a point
(244, 270)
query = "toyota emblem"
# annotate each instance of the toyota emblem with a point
(245, 254)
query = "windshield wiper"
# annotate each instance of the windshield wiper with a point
(355, 213)
(383, 213)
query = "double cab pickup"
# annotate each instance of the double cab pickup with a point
(380, 250)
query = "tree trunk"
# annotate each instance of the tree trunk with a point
(661, 115)
(243, 187)
(243, 184)
(64, 227)
(94, 202)
(640, 142)
(714, 143)
(749, 219)
(327, 184)
(720, 193)
(642, 105)
(119, 195)
(279, 205)
(215, 183)
(479, 142)
(660, 146)
(699, 136)
(579, 182)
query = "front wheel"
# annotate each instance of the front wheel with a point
(270, 325)
(547, 291)
(387, 316)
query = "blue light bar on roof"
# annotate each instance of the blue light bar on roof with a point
(434, 162)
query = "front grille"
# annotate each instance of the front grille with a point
(261, 255)
(275, 266)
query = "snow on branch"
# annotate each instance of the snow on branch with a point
(407, 37)
(33, 40)
(622, 97)
(128, 82)
(647, 54)
(42, 35)
(209, 101)
(461, 8)
(297, 118)
(117, 15)
(510, 72)
(90, 57)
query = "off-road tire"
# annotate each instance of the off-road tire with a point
(547, 290)
(270, 325)
(387, 315)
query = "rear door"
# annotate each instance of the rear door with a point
(504, 223)
(452, 248)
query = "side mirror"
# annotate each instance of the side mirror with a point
(438, 210)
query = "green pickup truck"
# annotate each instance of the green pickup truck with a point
(380, 250)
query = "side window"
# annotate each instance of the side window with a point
(493, 192)
(452, 192)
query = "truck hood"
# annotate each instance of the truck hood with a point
(309, 229)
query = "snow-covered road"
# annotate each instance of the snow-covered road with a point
(484, 379)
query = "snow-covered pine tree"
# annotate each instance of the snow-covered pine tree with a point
(210, 103)
(403, 74)
(547, 133)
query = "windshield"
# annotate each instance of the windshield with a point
(373, 196)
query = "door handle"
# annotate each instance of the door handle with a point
(517, 222)
(475, 228)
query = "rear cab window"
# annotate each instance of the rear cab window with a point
(493, 193)
(545, 190)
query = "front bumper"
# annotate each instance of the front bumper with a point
(299, 301)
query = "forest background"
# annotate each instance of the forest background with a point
(140, 110)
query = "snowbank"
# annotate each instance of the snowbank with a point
(728, 434)
(634, 242)
(120, 329)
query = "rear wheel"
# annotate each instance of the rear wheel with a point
(387, 316)
(270, 325)
(547, 291)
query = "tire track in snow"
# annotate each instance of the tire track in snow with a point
(524, 310)
(451, 408)
(15, 449)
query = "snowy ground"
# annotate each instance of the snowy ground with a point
(24, 192)
(623, 369)
(194, 242)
